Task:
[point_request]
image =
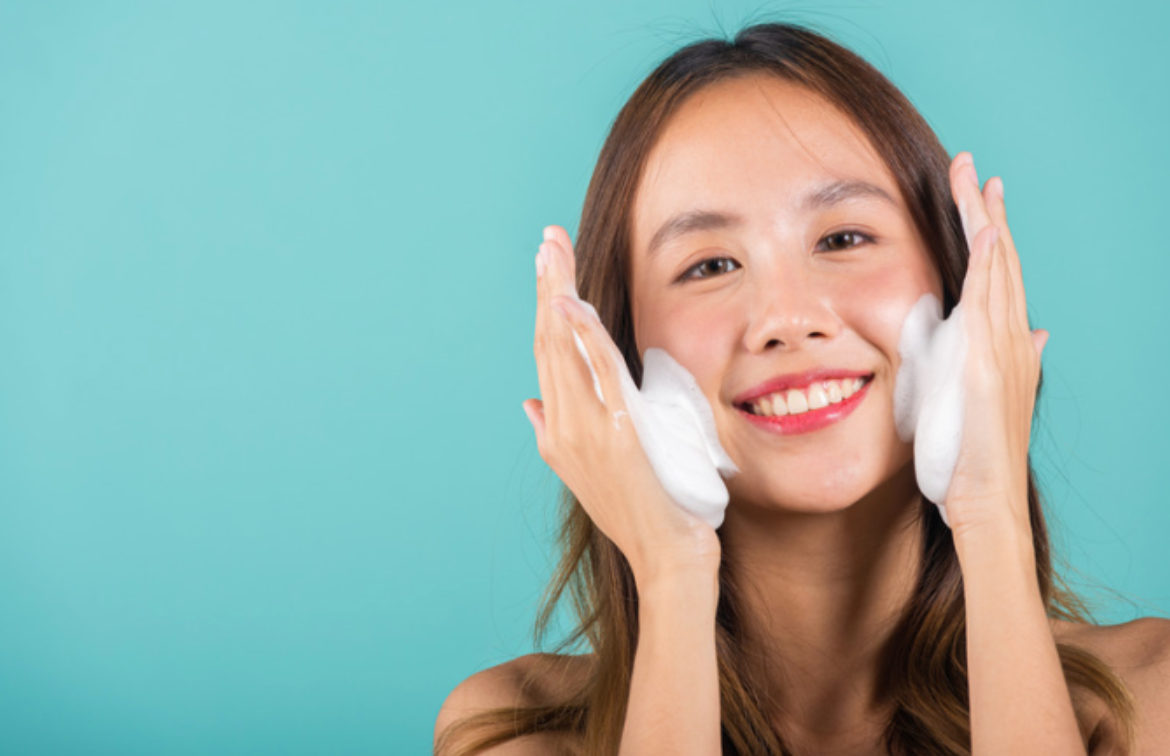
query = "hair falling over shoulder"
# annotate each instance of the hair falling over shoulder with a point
(926, 670)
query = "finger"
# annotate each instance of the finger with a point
(968, 198)
(564, 279)
(977, 281)
(608, 365)
(584, 373)
(562, 285)
(975, 294)
(1006, 308)
(575, 397)
(558, 281)
(1040, 340)
(998, 291)
(533, 408)
(976, 220)
(993, 195)
(547, 344)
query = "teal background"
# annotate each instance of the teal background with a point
(266, 311)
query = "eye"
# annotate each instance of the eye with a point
(847, 239)
(710, 267)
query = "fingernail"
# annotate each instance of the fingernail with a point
(973, 175)
(549, 234)
(540, 263)
(528, 414)
(999, 187)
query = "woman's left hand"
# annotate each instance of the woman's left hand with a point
(989, 486)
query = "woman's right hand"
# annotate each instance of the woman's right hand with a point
(594, 448)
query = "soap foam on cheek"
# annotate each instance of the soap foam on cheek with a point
(929, 393)
(676, 428)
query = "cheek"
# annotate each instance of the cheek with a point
(698, 338)
(878, 307)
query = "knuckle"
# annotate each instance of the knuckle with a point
(552, 337)
(627, 442)
(550, 450)
(569, 437)
(547, 344)
(601, 364)
(985, 377)
(559, 345)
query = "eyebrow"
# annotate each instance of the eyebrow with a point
(819, 197)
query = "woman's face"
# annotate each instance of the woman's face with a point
(807, 274)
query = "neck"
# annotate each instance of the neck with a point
(820, 596)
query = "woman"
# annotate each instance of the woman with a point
(834, 611)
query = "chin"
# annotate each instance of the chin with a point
(818, 488)
(811, 499)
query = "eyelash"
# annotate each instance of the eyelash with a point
(864, 238)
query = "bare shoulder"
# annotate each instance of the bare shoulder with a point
(1139, 652)
(530, 680)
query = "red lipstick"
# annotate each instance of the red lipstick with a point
(804, 422)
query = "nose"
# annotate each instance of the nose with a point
(790, 309)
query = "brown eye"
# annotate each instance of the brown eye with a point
(845, 240)
(709, 268)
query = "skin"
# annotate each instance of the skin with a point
(820, 522)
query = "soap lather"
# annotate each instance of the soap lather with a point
(677, 431)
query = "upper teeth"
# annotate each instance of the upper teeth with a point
(795, 401)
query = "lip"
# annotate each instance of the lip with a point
(807, 422)
(796, 380)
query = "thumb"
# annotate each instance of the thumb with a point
(1039, 340)
(534, 408)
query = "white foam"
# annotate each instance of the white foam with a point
(676, 428)
(929, 394)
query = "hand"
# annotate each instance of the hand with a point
(594, 448)
(990, 483)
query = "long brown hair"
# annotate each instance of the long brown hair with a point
(925, 671)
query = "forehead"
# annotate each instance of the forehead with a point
(750, 145)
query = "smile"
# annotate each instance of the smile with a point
(806, 410)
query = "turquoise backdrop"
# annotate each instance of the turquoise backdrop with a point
(266, 312)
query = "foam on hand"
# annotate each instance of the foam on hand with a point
(929, 394)
(677, 431)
